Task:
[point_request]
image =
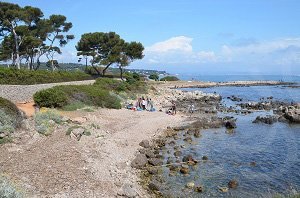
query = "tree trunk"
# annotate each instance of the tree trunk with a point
(121, 72)
(95, 68)
(104, 70)
(17, 48)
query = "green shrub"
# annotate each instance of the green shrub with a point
(26, 77)
(169, 78)
(53, 97)
(45, 121)
(10, 119)
(74, 106)
(66, 95)
(8, 190)
(154, 77)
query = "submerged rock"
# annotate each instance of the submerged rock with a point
(223, 189)
(190, 185)
(199, 189)
(155, 162)
(230, 124)
(232, 184)
(184, 169)
(154, 186)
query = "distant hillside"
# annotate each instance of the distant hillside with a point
(77, 66)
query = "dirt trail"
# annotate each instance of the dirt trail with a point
(96, 166)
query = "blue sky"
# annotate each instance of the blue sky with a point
(193, 36)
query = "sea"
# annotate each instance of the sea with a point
(264, 159)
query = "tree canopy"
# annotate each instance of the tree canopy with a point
(25, 34)
(108, 49)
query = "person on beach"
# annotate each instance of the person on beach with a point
(144, 103)
(173, 107)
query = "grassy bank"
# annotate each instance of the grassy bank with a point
(27, 77)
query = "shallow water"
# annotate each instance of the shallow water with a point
(274, 148)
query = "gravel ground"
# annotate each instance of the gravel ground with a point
(24, 93)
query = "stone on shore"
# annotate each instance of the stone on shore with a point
(139, 162)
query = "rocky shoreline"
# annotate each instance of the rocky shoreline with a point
(151, 158)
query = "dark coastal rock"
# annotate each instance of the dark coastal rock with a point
(155, 162)
(187, 158)
(154, 186)
(232, 184)
(292, 114)
(149, 154)
(139, 162)
(184, 170)
(204, 157)
(174, 168)
(197, 134)
(199, 189)
(235, 98)
(179, 128)
(190, 132)
(188, 139)
(267, 119)
(152, 170)
(145, 144)
(230, 124)
(172, 143)
(177, 153)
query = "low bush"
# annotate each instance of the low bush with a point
(10, 119)
(53, 97)
(169, 78)
(66, 95)
(45, 121)
(28, 77)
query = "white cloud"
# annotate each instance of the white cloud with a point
(179, 43)
(177, 50)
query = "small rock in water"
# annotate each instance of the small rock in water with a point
(223, 189)
(230, 125)
(190, 185)
(199, 189)
(188, 139)
(232, 184)
(177, 153)
(197, 134)
(184, 170)
(252, 163)
(204, 157)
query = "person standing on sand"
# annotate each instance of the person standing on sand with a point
(143, 103)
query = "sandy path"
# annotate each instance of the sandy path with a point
(96, 166)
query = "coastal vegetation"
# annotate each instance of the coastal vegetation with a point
(12, 76)
(169, 78)
(10, 119)
(105, 92)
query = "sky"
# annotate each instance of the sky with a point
(192, 36)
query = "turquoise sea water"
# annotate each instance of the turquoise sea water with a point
(274, 148)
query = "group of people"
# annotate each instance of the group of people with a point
(142, 104)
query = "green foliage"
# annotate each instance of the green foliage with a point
(10, 119)
(169, 78)
(26, 77)
(8, 189)
(90, 95)
(74, 106)
(108, 48)
(154, 77)
(45, 121)
(52, 97)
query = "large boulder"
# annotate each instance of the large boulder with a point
(292, 114)
(230, 124)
